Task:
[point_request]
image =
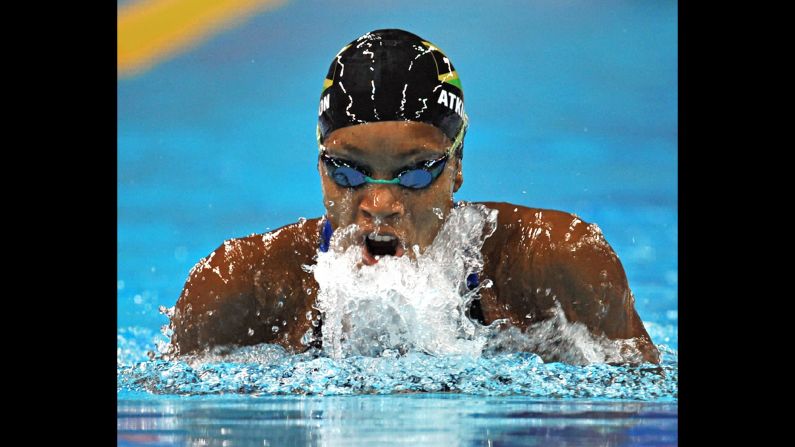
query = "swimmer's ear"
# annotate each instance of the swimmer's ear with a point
(459, 176)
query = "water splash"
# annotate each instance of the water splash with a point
(565, 341)
(269, 370)
(404, 304)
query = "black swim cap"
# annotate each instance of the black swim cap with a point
(392, 75)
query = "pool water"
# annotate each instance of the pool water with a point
(421, 419)
(572, 105)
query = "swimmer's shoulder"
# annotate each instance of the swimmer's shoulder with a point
(232, 296)
(238, 259)
(293, 242)
(538, 229)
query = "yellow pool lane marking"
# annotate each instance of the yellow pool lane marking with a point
(152, 30)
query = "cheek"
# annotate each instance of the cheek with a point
(339, 203)
(429, 211)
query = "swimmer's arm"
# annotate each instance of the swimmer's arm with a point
(591, 286)
(217, 304)
(247, 286)
(540, 260)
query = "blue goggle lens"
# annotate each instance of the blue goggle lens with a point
(347, 176)
(415, 178)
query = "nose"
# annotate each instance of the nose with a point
(380, 202)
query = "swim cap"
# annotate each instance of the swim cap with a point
(392, 75)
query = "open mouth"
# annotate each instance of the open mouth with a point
(378, 245)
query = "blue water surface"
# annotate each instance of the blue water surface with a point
(573, 106)
(420, 419)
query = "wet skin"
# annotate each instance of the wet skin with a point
(535, 258)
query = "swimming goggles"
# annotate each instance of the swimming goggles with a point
(418, 176)
(350, 175)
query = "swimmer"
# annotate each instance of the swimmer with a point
(391, 127)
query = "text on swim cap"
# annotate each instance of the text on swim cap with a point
(324, 104)
(452, 101)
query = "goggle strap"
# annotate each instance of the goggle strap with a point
(459, 138)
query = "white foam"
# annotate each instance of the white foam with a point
(558, 340)
(403, 304)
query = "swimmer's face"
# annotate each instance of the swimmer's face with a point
(413, 216)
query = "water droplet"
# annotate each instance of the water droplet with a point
(275, 329)
(284, 322)
(308, 291)
(250, 332)
(309, 315)
(438, 213)
(307, 337)
(138, 299)
(330, 203)
(167, 311)
(280, 304)
(120, 285)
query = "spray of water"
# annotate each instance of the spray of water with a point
(402, 304)
(559, 340)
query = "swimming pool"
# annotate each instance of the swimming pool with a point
(573, 106)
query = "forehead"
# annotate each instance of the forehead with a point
(387, 139)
